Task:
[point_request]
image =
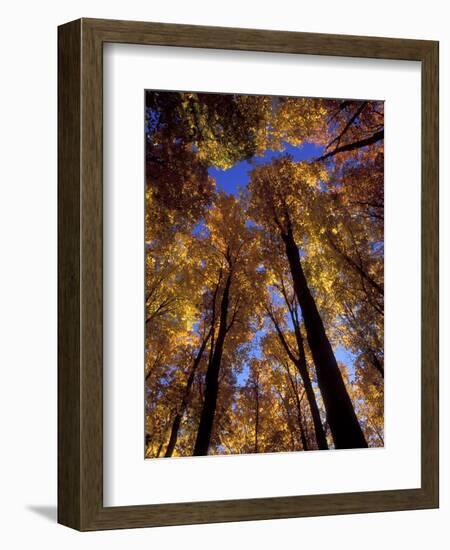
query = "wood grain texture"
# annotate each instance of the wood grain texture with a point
(430, 273)
(69, 245)
(80, 241)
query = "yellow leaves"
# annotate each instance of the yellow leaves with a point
(286, 192)
(299, 120)
(326, 281)
(197, 239)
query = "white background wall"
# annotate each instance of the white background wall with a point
(28, 273)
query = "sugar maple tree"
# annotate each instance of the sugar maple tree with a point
(254, 298)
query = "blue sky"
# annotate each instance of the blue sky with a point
(237, 176)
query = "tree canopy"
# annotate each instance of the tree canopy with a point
(264, 274)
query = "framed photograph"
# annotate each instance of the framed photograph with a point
(248, 274)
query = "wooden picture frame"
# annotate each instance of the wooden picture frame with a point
(80, 271)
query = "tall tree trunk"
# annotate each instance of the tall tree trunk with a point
(302, 428)
(158, 452)
(212, 378)
(300, 363)
(289, 421)
(341, 417)
(310, 395)
(303, 437)
(256, 415)
(185, 400)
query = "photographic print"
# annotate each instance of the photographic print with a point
(264, 274)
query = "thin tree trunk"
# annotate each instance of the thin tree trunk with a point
(299, 412)
(291, 427)
(375, 429)
(376, 362)
(185, 400)
(310, 395)
(300, 363)
(256, 416)
(212, 378)
(158, 452)
(321, 439)
(364, 345)
(302, 428)
(341, 417)
(356, 267)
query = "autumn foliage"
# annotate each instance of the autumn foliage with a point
(264, 301)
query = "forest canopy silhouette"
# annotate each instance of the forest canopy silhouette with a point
(264, 279)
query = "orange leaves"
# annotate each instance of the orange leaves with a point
(299, 120)
(202, 243)
(287, 193)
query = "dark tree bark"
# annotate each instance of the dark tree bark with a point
(364, 344)
(301, 426)
(341, 417)
(357, 267)
(303, 370)
(374, 138)
(310, 395)
(300, 363)
(337, 140)
(158, 452)
(185, 399)
(290, 422)
(212, 378)
(256, 414)
(376, 362)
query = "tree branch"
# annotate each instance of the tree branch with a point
(374, 138)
